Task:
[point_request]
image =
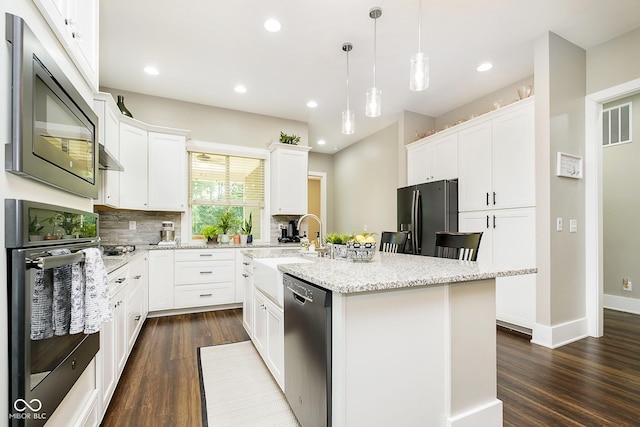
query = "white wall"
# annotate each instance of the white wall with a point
(614, 62)
(365, 184)
(211, 124)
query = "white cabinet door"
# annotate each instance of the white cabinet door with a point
(247, 304)
(433, 161)
(418, 164)
(120, 325)
(508, 240)
(167, 172)
(514, 159)
(275, 341)
(107, 360)
(133, 157)
(289, 187)
(109, 135)
(259, 322)
(474, 186)
(161, 268)
(84, 38)
(444, 158)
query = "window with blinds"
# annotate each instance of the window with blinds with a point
(218, 183)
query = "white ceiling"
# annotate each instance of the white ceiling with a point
(204, 48)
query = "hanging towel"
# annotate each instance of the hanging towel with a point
(96, 301)
(42, 306)
(61, 295)
(77, 298)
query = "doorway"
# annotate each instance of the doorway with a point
(316, 200)
(594, 199)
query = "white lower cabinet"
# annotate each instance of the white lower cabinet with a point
(204, 277)
(161, 270)
(268, 334)
(509, 240)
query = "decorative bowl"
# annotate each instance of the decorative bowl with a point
(363, 251)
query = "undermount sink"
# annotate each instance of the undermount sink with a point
(268, 278)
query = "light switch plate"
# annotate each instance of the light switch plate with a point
(573, 226)
(132, 225)
(558, 224)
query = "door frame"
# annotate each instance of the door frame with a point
(323, 197)
(594, 200)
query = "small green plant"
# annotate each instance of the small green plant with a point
(226, 221)
(209, 231)
(338, 238)
(289, 139)
(88, 230)
(34, 226)
(248, 225)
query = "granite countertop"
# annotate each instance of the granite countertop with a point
(388, 271)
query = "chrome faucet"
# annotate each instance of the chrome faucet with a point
(321, 238)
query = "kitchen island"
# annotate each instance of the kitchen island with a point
(413, 339)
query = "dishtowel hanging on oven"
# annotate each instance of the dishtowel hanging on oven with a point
(90, 297)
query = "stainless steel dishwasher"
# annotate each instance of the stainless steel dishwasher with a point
(307, 351)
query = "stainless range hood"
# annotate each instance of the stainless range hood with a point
(107, 161)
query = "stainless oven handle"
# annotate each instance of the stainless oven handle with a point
(54, 261)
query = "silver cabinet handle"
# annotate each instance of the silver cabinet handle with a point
(206, 295)
(121, 280)
(138, 277)
(245, 275)
(206, 254)
(137, 318)
(206, 272)
(246, 263)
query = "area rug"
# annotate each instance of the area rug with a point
(238, 390)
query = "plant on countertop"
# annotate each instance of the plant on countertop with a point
(289, 139)
(338, 238)
(209, 231)
(248, 225)
(226, 221)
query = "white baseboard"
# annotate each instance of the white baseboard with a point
(559, 335)
(487, 415)
(626, 304)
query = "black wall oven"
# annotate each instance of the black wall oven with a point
(53, 137)
(45, 359)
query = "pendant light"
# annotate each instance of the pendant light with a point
(372, 107)
(419, 74)
(348, 117)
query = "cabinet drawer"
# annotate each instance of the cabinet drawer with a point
(204, 254)
(203, 295)
(187, 273)
(247, 265)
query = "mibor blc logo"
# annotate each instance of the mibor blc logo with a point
(22, 407)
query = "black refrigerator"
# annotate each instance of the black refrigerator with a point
(424, 209)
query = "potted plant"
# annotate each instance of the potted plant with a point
(35, 229)
(289, 139)
(225, 223)
(68, 222)
(337, 243)
(246, 230)
(210, 232)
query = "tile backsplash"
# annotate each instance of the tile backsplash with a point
(114, 225)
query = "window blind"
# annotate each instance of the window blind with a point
(226, 180)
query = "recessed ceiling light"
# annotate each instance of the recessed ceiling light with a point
(321, 142)
(272, 25)
(485, 66)
(312, 104)
(240, 89)
(153, 71)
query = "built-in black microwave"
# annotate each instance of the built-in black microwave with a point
(53, 137)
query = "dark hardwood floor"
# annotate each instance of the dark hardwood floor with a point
(160, 384)
(592, 382)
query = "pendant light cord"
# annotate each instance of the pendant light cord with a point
(419, 24)
(348, 79)
(375, 38)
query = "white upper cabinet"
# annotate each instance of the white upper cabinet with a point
(133, 157)
(109, 135)
(432, 159)
(167, 172)
(497, 161)
(76, 24)
(289, 175)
